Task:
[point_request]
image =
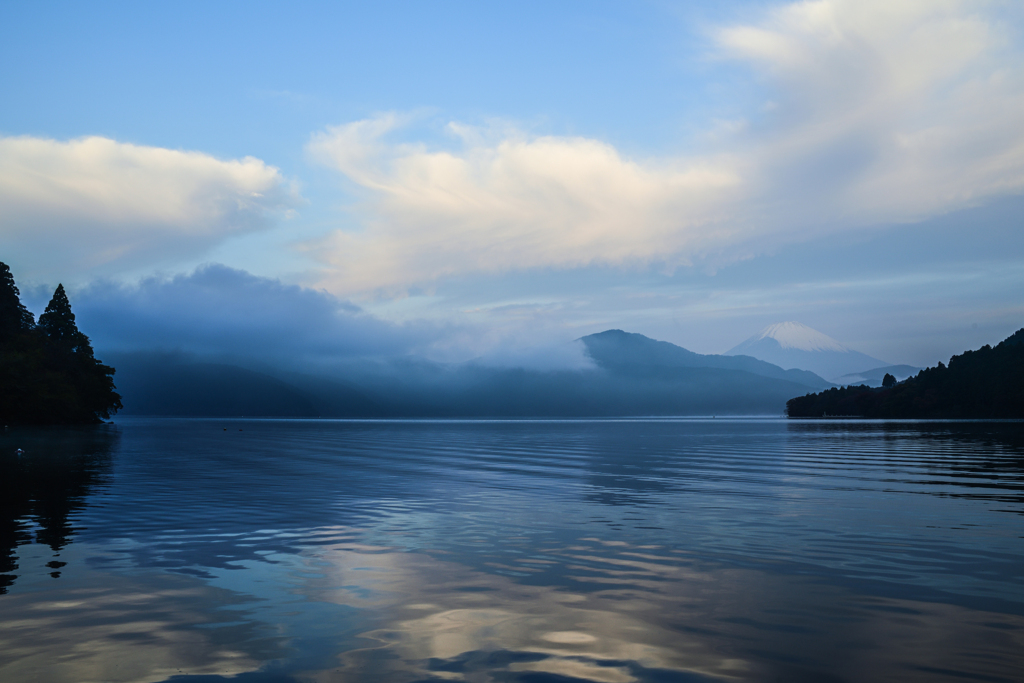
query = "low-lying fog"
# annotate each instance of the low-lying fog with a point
(224, 342)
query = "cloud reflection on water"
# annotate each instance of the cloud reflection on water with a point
(643, 614)
(621, 613)
(138, 628)
(437, 618)
(744, 551)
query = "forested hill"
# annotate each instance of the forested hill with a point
(48, 373)
(987, 383)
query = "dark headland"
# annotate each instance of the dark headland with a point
(983, 384)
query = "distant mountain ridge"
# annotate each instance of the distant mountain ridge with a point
(795, 345)
(618, 349)
(634, 375)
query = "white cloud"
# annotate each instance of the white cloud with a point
(520, 202)
(93, 204)
(880, 112)
(885, 111)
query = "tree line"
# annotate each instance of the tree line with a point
(48, 373)
(987, 383)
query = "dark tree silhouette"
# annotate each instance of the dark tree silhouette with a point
(888, 382)
(14, 317)
(58, 322)
(48, 373)
(986, 383)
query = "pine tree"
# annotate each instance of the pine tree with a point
(14, 317)
(88, 393)
(22, 356)
(50, 376)
(48, 373)
(58, 322)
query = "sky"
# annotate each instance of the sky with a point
(461, 179)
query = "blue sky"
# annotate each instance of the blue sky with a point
(486, 178)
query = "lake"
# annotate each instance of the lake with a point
(658, 550)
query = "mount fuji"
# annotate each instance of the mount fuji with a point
(794, 345)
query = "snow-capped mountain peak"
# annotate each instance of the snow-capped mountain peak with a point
(792, 345)
(794, 335)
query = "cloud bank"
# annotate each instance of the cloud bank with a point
(95, 205)
(878, 113)
(230, 315)
(220, 311)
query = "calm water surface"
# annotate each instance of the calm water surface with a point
(542, 552)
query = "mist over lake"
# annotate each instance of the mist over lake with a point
(551, 551)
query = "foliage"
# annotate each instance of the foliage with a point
(14, 317)
(987, 383)
(48, 373)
